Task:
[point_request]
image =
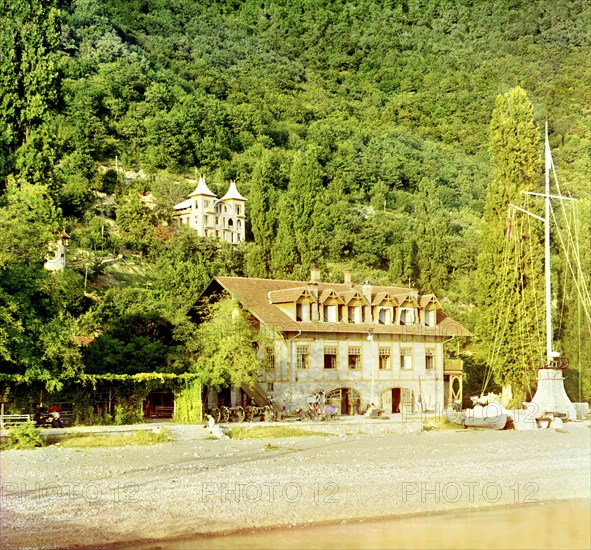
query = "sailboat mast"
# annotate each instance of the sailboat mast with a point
(550, 396)
(549, 353)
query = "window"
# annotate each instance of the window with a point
(238, 209)
(429, 359)
(385, 315)
(330, 357)
(405, 358)
(269, 359)
(407, 316)
(302, 311)
(354, 314)
(354, 360)
(303, 357)
(430, 317)
(270, 386)
(330, 314)
(384, 358)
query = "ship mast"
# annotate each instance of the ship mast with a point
(549, 353)
(550, 396)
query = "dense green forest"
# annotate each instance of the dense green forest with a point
(359, 131)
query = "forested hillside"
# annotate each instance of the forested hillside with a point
(359, 132)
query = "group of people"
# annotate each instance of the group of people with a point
(42, 419)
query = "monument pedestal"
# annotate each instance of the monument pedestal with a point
(551, 396)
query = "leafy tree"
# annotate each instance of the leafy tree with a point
(39, 309)
(29, 82)
(137, 332)
(134, 219)
(226, 351)
(28, 222)
(510, 273)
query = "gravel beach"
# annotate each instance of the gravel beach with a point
(59, 497)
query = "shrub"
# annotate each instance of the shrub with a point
(127, 415)
(187, 406)
(25, 436)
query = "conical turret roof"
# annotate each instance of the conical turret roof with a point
(233, 193)
(202, 189)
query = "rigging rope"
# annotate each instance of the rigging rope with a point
(579, 278)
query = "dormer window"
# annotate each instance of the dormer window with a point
(407, 316)
(330, 313)
(354, 314)
(299, 312)
(430, 317)
(302, 311)
(385, 315)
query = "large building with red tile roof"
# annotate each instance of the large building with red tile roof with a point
(361, 344)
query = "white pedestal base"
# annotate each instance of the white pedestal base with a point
(551, 396)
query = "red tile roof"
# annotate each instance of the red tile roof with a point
(259, 297)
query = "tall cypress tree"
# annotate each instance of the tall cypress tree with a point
(262, 213)
(285, 256)
(432, 232)
(510, 280)
(304, 191)
(301, 216)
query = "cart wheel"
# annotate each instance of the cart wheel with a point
(239, 414)
(215, 413)
(249, 413)
(225, 416)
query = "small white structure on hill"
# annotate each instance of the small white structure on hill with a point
(59, 259)
(223, 218)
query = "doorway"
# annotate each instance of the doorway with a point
(159, 404)
(347, 400)
(395, 400)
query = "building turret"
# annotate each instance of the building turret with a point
(224, 218)
(232, 216)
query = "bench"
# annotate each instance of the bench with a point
(13, 419)
(164, 412)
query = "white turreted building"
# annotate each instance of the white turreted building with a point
(223, 218)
